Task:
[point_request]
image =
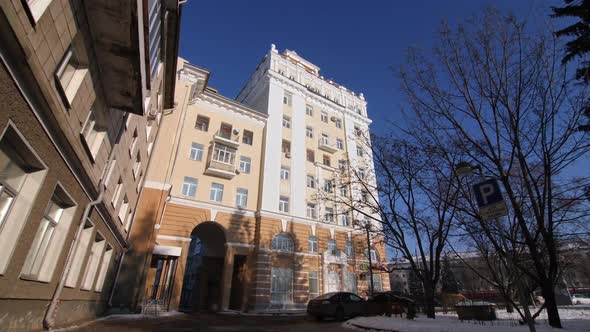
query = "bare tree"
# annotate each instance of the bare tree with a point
(497, 91)
(399, 197)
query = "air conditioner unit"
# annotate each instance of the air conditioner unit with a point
(287, 154)
(237, 171)
(153, 114)
(333, 119)
(236, 131)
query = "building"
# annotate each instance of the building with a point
(82, 87)
(230, 216)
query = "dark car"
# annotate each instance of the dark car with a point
(338, 305)
(389, 303)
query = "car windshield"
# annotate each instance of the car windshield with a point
(325, 296)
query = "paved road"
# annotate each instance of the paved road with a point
(214, 323)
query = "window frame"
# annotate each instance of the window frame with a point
(285, 173)
(312, 244)
(286, 121)
(216, 192)
(311, 207)
(241, 195)
(199, 125)
(245, 165)
(248, 137)
(284, 204)
(188, 186)
(196, 151)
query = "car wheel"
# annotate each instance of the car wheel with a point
(578, 302)
(339, 314)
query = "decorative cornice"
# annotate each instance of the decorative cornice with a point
(305, 221)
(232, 106)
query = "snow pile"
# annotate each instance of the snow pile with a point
(572, 320)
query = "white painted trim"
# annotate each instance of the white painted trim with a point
(283, 225)
(307, 254)
(203, 205)
(305, 221)
(173, 238)
(167, 250)
(239, 245)
(157, 185)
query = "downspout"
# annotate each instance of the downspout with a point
(49, 319)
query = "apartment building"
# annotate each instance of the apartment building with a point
(82, 87)
(309, 244)
(233, 214)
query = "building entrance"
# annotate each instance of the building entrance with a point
(201, 287)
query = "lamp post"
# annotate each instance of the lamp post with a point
(465, 168)
(367, 229)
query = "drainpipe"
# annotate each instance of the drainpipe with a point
(49, 319)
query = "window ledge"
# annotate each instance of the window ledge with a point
(74, 85)
(36, 8)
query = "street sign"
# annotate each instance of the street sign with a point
(489, 199)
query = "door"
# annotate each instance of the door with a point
(238, 281)
(333, 281)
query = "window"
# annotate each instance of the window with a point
(123, 210)
(224, 154)
(359, 150)
(374, 257)
(281, 287)
(248, 137)
(287, 98)
(309, 132)
(349, 249)
(202, 123)
(92, 134)
(339, 144)
(196, 152)
(284, 173)
(133, 143)
(350, 285)
(310, 181)
(118, 191)
(189, 186)
(312, 242)
(341, 164)
(216, 193)
(329, 215)
(242, 197)
(343, 190)
(308, 110)
(282, 241)
(21, 177)
(338, 123)
(361, 173)
(284, 204)
(328, 185)
(326, 160)
(364, 196)
(70, 75)
(325, 139)
(314, 290)
(96, 250)
(136, 166)
(310, 155)
(332, 246)
(286, 146)
(311, 211)
(50, 238)
(357, 131)
(345, 220)
(245, 163)
(286, 121)
(155, 23)
(324, 117)
(104, 267)
(79, 254)
(377, 285)
(225, 130)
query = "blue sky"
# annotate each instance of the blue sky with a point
(355, 43)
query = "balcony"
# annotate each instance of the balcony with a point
(222, 162)
(227, 138)
(324, 144)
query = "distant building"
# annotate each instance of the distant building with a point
(231, 213)
(82, 87)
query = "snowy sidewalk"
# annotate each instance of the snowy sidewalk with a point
(572, 320)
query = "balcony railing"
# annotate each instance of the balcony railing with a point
(228, 138)
(222, 162)
(325, 145)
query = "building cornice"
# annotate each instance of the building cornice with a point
(305, 221)
(205, 205)
(232, 106)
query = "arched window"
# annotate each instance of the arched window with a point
(283, 242)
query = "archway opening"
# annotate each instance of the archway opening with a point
(202, 284)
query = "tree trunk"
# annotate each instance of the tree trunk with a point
(509, 307)
(429, 300)
(548, 292)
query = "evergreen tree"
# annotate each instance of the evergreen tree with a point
(580, 31)
(415, 286)
(448, 280)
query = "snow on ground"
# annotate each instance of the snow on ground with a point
(572, 320)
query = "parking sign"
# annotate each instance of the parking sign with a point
(489, 199)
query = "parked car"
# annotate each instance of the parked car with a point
(338, 305)
(389, 303)
(580, 299)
